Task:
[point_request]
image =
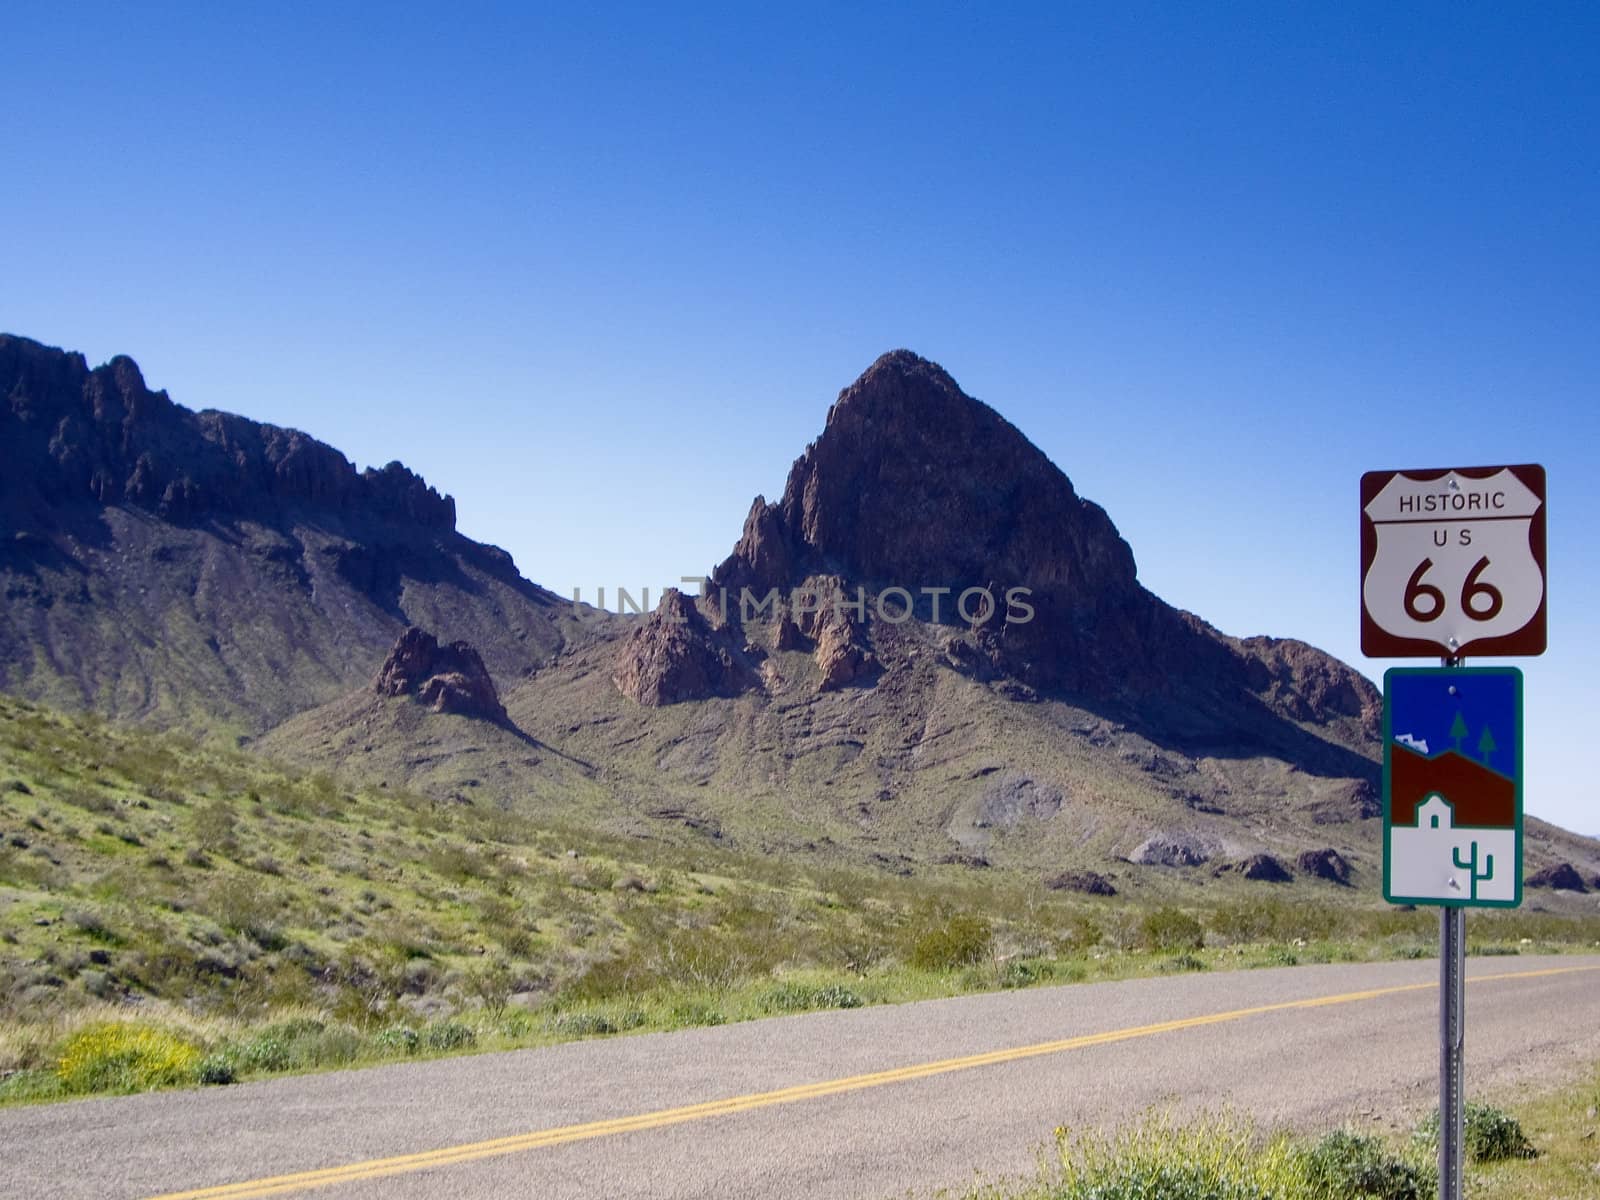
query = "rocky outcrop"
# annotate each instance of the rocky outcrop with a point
(913, 484)
(1561, 876)
(1262, 868)
(1326, 864)
(1308, 685)
(1090, 883)
(1354, 800)
(103, 436)
(448, 679)
(1171, 850)
(841, 655)
(1012, 796)
(675, 655)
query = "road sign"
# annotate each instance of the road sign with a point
(1452, 786)
(1453, 562)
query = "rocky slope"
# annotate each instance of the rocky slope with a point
(921, 500)
(787, 709)
(204, 569)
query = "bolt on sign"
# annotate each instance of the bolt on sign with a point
(1453, 562)
(1452, 786)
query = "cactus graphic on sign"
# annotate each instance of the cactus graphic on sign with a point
(1452, 786)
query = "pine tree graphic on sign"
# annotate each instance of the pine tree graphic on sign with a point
(1458, 731)
(1486, 745)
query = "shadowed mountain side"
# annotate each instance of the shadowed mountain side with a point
(206, 570)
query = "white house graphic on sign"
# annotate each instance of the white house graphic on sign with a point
(1433, 859)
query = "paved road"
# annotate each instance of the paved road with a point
(866, 1103)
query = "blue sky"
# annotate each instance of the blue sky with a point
(599, 274)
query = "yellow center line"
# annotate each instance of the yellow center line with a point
(377, 1168)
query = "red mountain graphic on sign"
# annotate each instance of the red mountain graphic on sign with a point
(1476, 794)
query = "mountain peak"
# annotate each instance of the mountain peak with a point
(914, 483)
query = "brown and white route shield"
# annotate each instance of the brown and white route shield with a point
(1453, 562)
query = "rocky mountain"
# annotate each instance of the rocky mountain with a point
(203, 569)
(930, 650)
(920, 505)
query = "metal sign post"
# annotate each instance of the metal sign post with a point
(1452, 1040)
(1452, 1043)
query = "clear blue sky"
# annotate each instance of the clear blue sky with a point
(600, 274)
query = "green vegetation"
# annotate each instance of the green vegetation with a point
(1563, 1126)
(1224, 1158)
(1219, 1158)
(1492, 1135)
(177, 913)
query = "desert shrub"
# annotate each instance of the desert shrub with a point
(125, 1057)
(397, 1039)
(297, 1045)
(1492, 1134)
(693, 1012)
(1273, 919)
(448, 1035)
(1182, 962)
(216, 1070)
(1171, 929)
(959, 941)
(92, 925)
(1351, 1166)
(803, 997)
(1082, 932)
(581, 1024)
(1212, 1159)
(214, 828)
(1023, 972)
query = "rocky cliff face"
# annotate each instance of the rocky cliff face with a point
(676, 655)
(203, 569)
(448, 679)
(103, 434)
(915, 485)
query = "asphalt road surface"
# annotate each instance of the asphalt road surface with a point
(861, 1103)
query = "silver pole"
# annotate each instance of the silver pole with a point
(1452, 1042)
(1452, 1034)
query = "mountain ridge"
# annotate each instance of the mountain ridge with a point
(205, 570)
(264, 605)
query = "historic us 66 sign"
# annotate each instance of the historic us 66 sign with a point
(1453, 562)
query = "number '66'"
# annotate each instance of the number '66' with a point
(1479, 600)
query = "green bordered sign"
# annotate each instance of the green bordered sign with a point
(1452, 786)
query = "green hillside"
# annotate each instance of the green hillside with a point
(259, 919)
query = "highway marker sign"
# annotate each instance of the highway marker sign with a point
(1452, 786)
(1453, 562)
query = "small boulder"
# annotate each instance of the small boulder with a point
(1563, 877)
(1262, 868)
(1090, 883)
(1170, 850)
(1326, 864)
(960, 859)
